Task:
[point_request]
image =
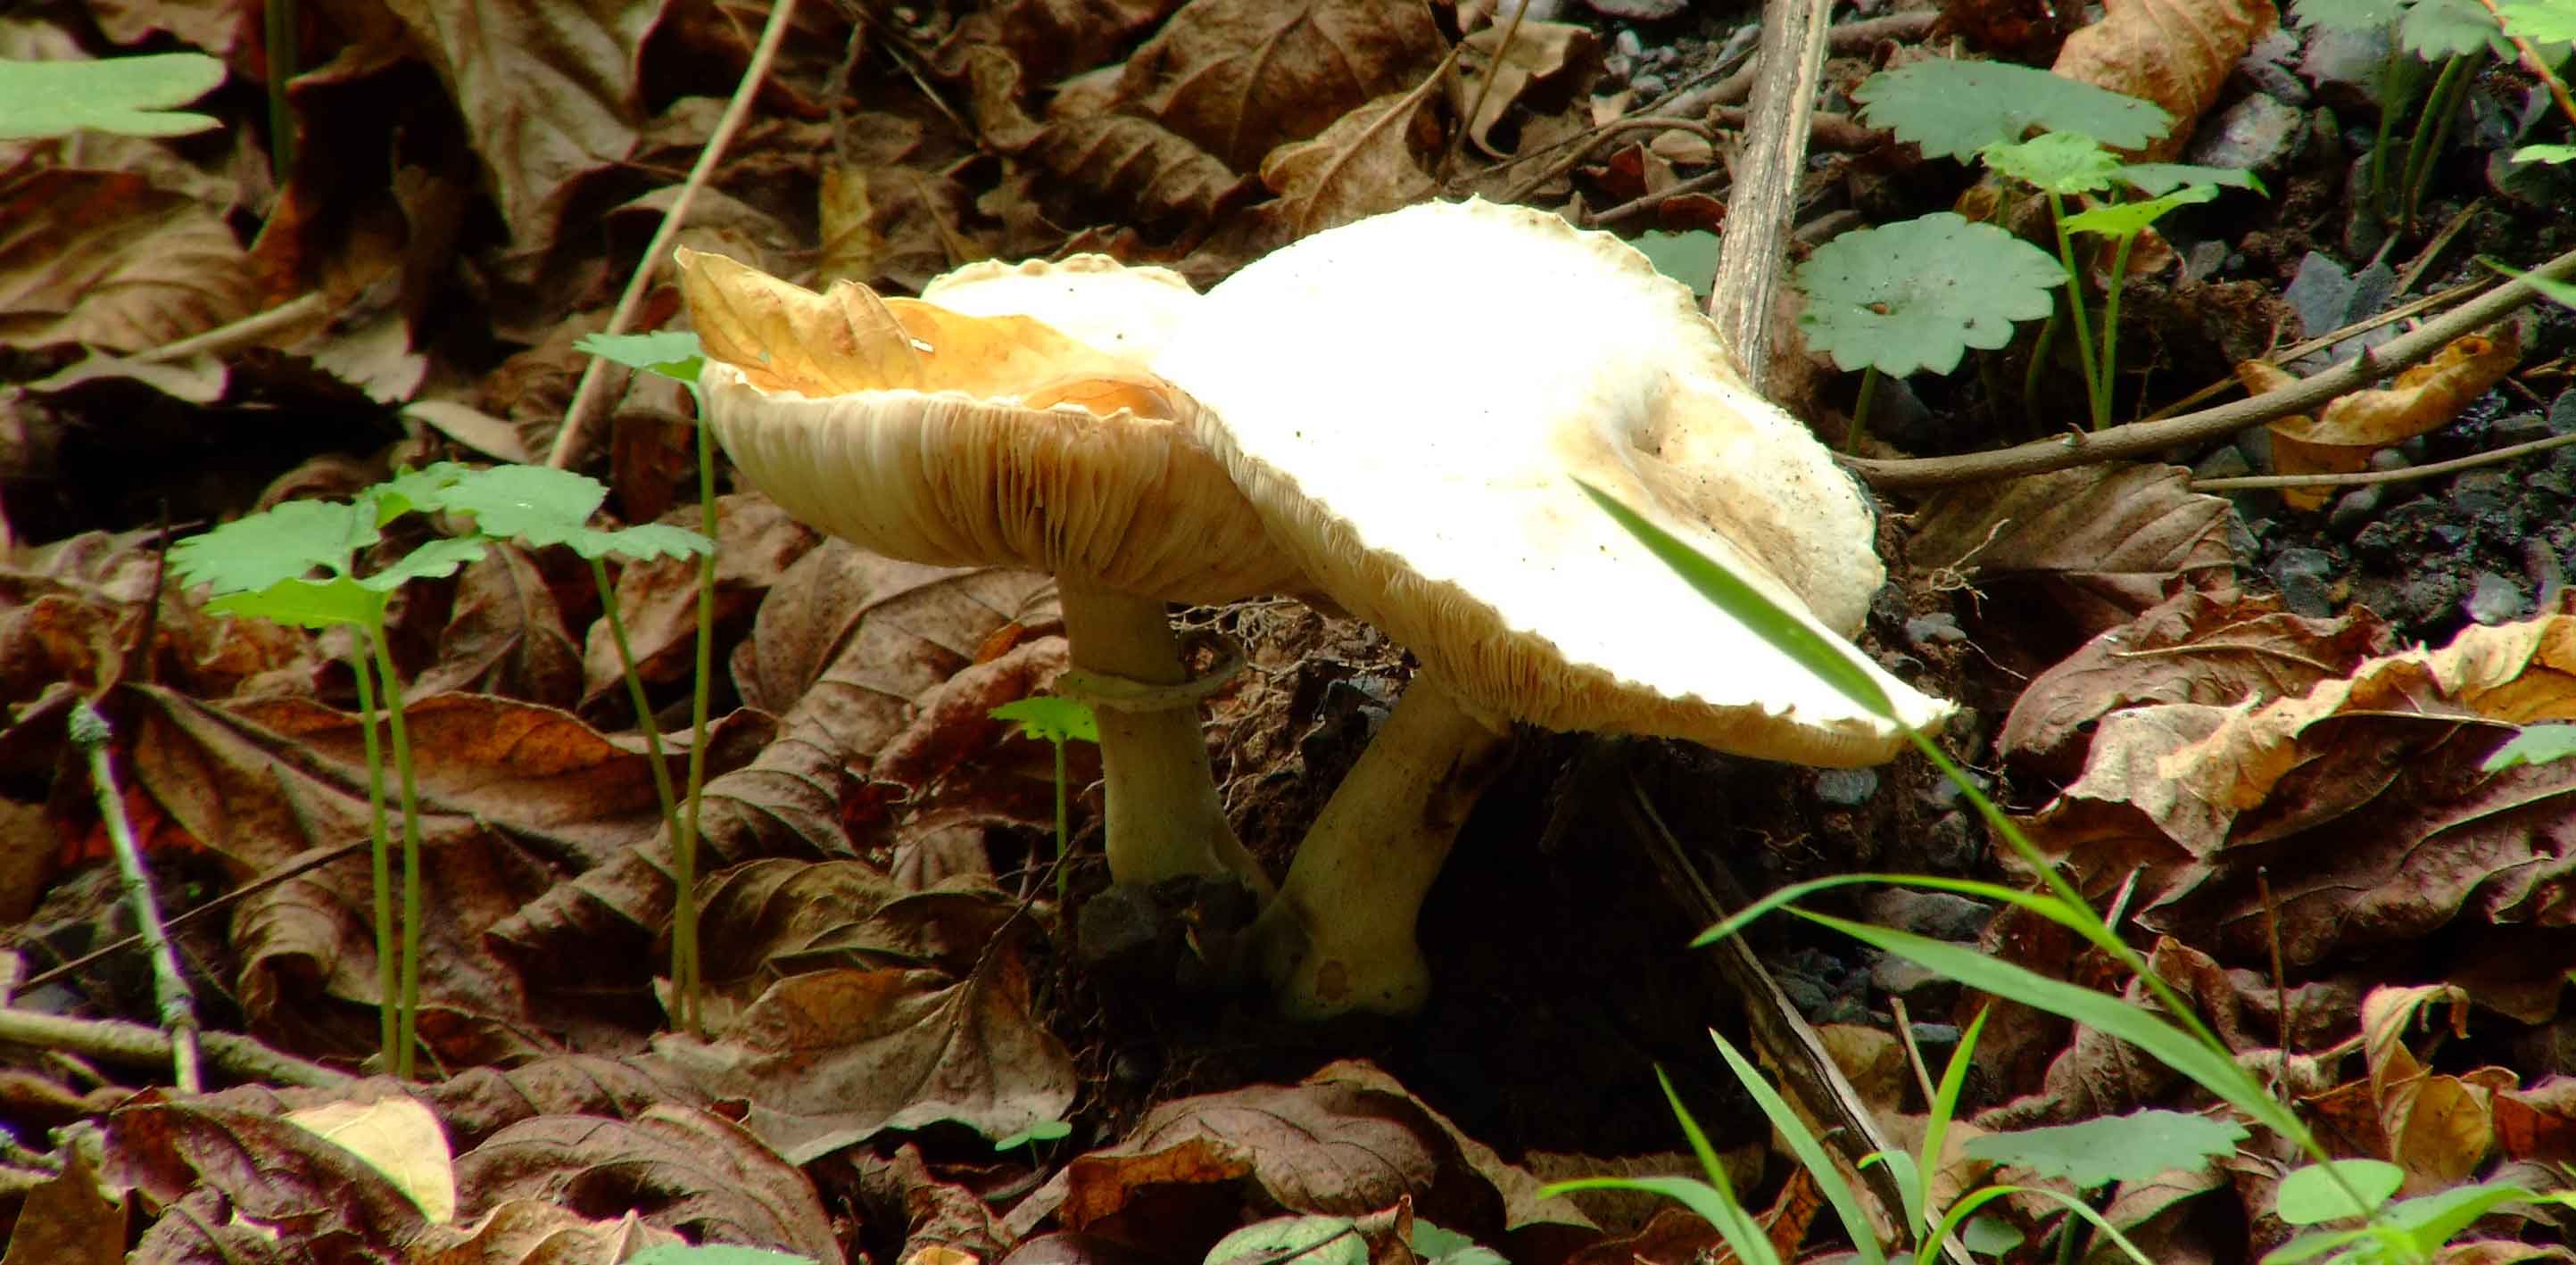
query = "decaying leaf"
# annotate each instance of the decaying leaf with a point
(243, 1172)
(829, 1058)
(2437, 1125)
(2222, 648)
(679, 1168)
(1539, 51)
(1368, 161)
(105, 259)
(1240, 77)
(2424, 398)
(2175, 53)
(2091, 546)
(2363, 798)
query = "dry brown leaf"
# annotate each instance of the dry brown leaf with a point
(505, 635)
(104, 259)
(2424, 398)
(767, 920)
(2175, 53)
(2216, 648)
(67, 1220)
(2363, 798)
(1238, 78)
(1539, 51)
(538, 1232)
(253, 1173)
(1368, 161)
(756, 542)
(2437, 1125)
(830, 1058)
(508, 792)
(548, 92)
(2077, 551)
(1102, 151)
(680, 1168)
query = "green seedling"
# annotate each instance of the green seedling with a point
(298, 563)
(2062, 165)
(2536, 744)
(1916, 295)
(678, 356)
(1057, 720)
(1306, 1240)
(1435, 1246)
(130, 96)
(1954, 109)
(1715, 1200)
(1690, 258)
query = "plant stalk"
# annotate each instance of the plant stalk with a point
(685, 979)
(2075, 300)
(635, 694)
(407, 1018)
(1860, 410)
(388, 981)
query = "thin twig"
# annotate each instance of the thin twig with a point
(1594, 139)
(2322, 341)
(1767, 170)
(124, 1041)
(2362, 477)
(89, 732)
(2139, 439)
(576, 415)
(247, 331)
(2533, 62)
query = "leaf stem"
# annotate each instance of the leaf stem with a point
(2075, 300)
(387, 981)
(407, 1018)
(635, 694)
(2441, 106)
(684, 915)
(1860, 410)
(2111, 325)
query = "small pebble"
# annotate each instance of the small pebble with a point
(1897, 977)
(1846, 788)
(2302, 575)
(2225, 463)
(2540, 562)
(1626, 44)
(2389, 459)
(2481, 492)
(1940, 915)
(2254, 134)
(2353, 509)
(2320, 293)
(2496, 599)
(2520, 428)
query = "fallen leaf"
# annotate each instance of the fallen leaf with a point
(1238, 78)
(1367, 162)
(103, 259)
(243, 1171)
(399, 1138)
(2436, 1124)
(2218, 648)
(2423, 399)
(2074, 553)
(680, 1169)
(505, 635)
(67, 1220)
(2175, 53)
(1539, 51)
(830, 1058)
(657, 598)
(539, 1232)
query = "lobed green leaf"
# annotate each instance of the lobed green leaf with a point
(129, 96)
(670, 353)
(2128, 219)
(1955, 108)
(2107, 1149)
(1918, 293)
(289, 541)
(2055, 162)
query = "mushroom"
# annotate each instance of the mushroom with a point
(1409, 401)
(967, 432)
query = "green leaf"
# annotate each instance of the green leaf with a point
(283, 542)
(309, 603)
(431, 561)
(2434, 29)
(1990, 1236)
(538, 504)
(2545, 154)
(2168, 1044)
(1448, 1247)
(2108, 1149)
(2431, 1220)
(2055, 162)
(2310, 1246)
(2155, 178)
(2540, 21)
(2536, 744)
(1955, 108)
(2128, 219)
(1747, 606)
(2556, 290)
(1719, 1208)
(1042, 1131)
(1810, 1152)
(412, 491)
(1318, 1240)
(1917, 294)
(1689, 258)
(2309, 1196)
(671, 353)
(644, 540)
(1051, 717)
(2353, 16)
(130, 96)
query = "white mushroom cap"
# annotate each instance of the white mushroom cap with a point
(951, 438)
(1128, 312)
(1409, 400)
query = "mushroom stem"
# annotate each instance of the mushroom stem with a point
(1341, 938)
(1162, 815)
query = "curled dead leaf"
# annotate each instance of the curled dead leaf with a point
(2424, 398)
(2175, 53)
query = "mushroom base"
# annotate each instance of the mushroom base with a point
(1340, 937)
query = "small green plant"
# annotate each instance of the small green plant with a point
(2536, 744)
(300, 563)
(677, 356)
(1918, 294)
(1057, 720)
(2177, 1037)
